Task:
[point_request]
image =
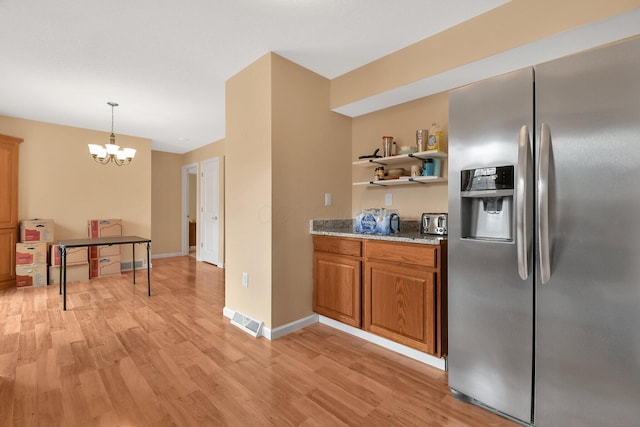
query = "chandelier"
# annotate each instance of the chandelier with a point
(111, 152)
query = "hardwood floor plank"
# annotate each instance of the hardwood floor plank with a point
(12, 324)
(121, 399)
(98, 402)
(120, 358)
(25, 404)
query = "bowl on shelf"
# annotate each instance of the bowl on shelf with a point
(396, 172)
(407, 150)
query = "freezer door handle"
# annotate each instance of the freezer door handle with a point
(522, 234)
(542, 217)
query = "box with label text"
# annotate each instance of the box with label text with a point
(105, 227)
(105, 266)
(96, 252)
(31, 275)
(31, 253)
(36, 230)
(74, 256)
(75, 273)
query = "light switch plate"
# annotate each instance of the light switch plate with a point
(327, 199)
(388, 199)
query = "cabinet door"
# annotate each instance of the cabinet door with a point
(8, 257)
(8, 182)
(336, 287)
(400, 304)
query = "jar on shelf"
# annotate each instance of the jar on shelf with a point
(387, 142)
(434, 141)
(421, 139)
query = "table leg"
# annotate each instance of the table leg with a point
(60, 272)
(63, 267)
(133, 263)
(148, 271)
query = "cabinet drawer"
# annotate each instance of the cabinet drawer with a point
(337, 245)
(405, 253)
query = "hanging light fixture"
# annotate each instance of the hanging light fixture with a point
(111, 152)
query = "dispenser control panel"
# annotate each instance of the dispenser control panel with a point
(490, 178)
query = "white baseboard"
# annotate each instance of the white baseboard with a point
(388, 344)
(228, 313)
(280, 331)
(166, 255)
(283, 330)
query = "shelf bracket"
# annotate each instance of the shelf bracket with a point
(417, 182)
(420, 157)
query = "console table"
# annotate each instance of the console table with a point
(63, 245)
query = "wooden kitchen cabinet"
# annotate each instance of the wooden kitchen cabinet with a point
(9, 147)
(404, 294)
(337, 267)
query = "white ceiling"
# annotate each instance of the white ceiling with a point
(166, 61)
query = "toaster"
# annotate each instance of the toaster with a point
(433, 223)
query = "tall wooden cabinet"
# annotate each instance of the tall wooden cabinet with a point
(9, 148)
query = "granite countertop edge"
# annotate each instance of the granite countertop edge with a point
(409, 232)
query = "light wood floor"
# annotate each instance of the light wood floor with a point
(119, 358)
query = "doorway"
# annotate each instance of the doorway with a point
(210, 210)
(189, 209)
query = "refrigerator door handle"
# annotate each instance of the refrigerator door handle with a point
(543, 203)
(522, 236)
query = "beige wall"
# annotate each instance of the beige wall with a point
(59, 180)
(311, 147)
(514, 24)
(248, 209)
(166, 202)
(280, 128)
(401, 122)
(209, 151)
(167, 197)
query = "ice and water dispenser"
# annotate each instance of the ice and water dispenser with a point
(487, 203)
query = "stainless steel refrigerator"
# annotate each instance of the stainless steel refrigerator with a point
(544, 240)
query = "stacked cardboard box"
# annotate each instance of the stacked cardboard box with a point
(104, 260)
(31, 252)
(77, 265)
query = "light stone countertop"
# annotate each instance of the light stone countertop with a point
(409, 231)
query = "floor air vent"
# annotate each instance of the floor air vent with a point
(247, 324)
(126, 265)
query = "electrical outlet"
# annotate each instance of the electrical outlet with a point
(327, 199)
(388, 199)
(245, 280)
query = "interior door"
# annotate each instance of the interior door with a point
(210, 210)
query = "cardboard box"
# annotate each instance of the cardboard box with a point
(36, 230)
(31, 253)
(96, 252)
(31, 275)
(105, 227)
(75, 273)
(106, 266)
(74, 256)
